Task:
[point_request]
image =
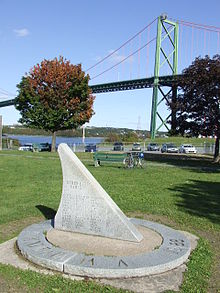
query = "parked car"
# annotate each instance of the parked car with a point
(187, 149)
(28, 147)
(169, 148)
(118, 146)
(136, 147)
(43, 147)
(90, 148)
(153, 147)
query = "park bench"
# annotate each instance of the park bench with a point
(108, 157)
(130, 160)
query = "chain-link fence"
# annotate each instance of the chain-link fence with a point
(202, 148)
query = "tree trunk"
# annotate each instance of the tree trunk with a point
(216, 154)
(53, 147)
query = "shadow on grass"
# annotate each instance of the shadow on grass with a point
(200, 198)
(205, 164)
(48, 213)
(109, 165)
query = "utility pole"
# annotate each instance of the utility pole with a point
(83, 134)
(139, 123)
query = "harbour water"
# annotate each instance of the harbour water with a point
(35, 139)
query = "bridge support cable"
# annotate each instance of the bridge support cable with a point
(167, 31)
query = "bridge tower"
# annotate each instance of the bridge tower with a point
(167, 39)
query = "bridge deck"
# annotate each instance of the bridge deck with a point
(134, 84)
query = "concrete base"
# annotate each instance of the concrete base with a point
(173, 252)
(170, 280)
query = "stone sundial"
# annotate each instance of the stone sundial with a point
(91, 236)
(85, 207)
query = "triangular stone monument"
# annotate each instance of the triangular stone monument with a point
(85, 207)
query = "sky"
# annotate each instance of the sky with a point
(85, 32)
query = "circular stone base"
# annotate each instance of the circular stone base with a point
(101, 246)
(173, 251)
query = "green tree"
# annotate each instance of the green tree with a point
(198, 103)
(112, 137)
(54, 96)
(131, 136)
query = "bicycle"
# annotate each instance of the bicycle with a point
(134, 159)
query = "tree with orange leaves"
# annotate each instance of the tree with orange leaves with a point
(54, 96)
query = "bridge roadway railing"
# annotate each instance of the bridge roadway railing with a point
(141, 83)
(168, 80)
(7, 103)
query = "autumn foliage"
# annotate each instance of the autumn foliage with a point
(55, 95)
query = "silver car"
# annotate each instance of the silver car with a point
(153, 147)
(169, 148)
(136, 147)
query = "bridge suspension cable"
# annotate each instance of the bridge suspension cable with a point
(124, 44)
(129, 56)
(4, 95)
(200, 26)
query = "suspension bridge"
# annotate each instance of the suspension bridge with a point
(152, 58)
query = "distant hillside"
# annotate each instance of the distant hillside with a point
(90, 131)
(110, 134)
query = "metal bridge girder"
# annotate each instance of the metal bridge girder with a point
(7, 103)
(168, 80)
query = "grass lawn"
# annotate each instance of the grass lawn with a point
(186, 198)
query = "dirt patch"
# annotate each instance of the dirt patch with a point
(4, 287)
(155, 218)
(11, 229)
(10, 286)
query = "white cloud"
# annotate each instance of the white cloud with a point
(115, 57)
(21, 32)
